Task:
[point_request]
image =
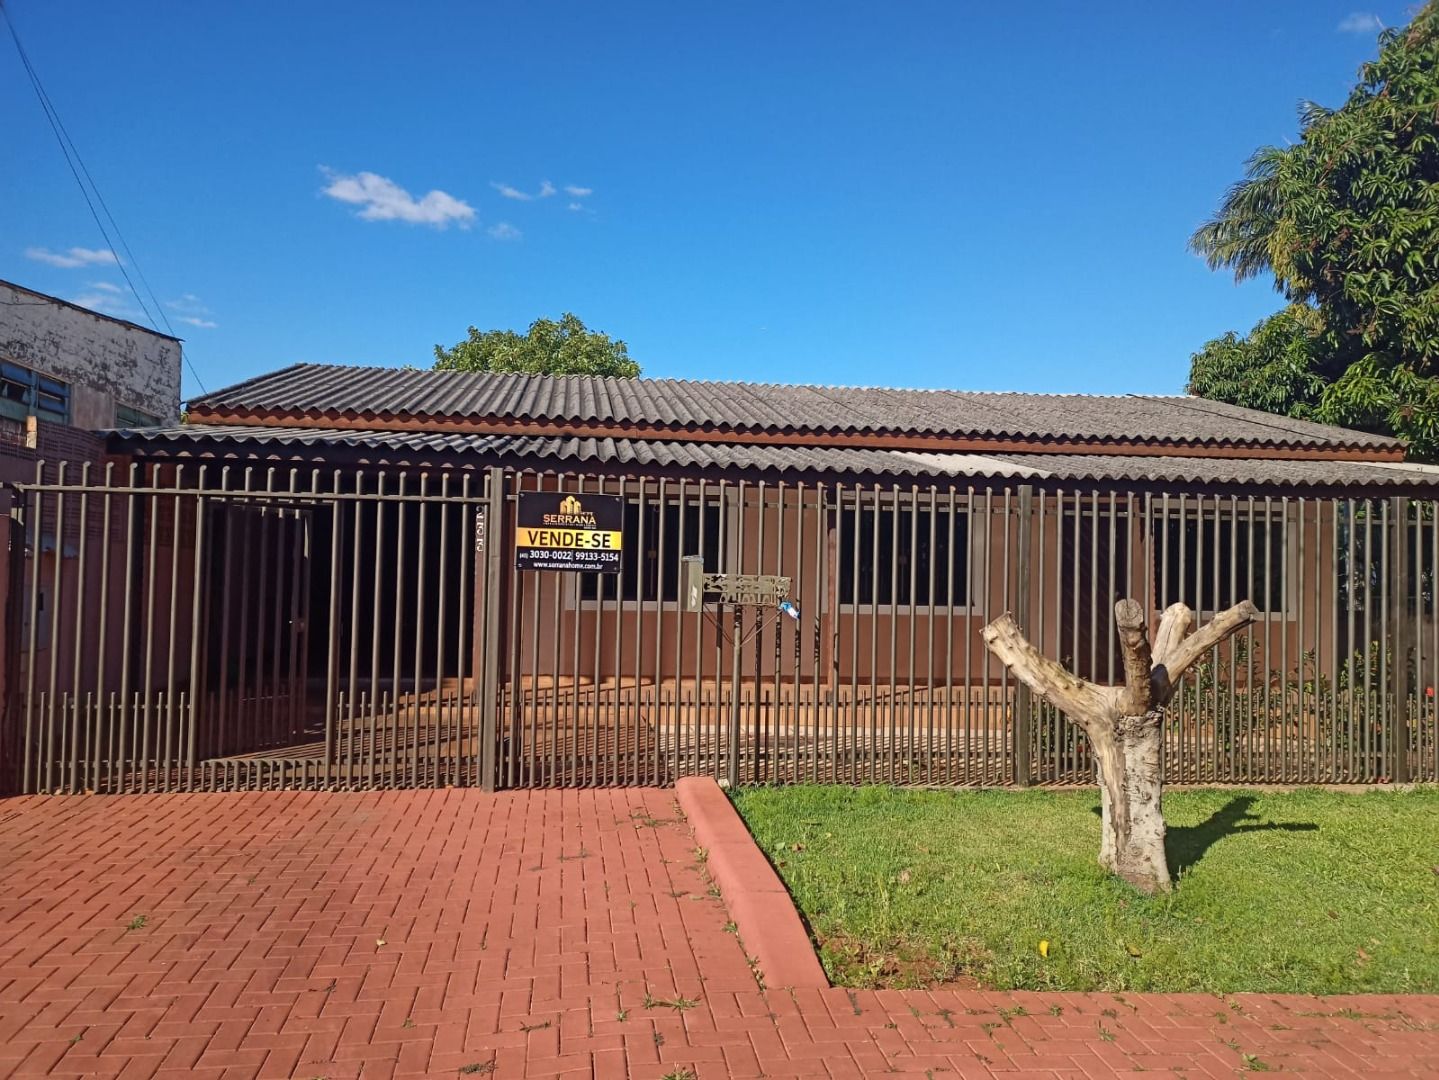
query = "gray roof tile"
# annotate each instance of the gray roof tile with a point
(549, 453)
(642, 405)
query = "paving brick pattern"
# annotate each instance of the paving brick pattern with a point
(565, 934)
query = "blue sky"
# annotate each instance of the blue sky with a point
(982, 196)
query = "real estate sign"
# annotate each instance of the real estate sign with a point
(559, 531)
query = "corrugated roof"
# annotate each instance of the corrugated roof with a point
(550, 453)
(376, 393)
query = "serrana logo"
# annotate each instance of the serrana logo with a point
(572, 512)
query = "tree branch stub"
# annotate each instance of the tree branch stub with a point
(1176, 653)
(1082, 701)
(1134, 642)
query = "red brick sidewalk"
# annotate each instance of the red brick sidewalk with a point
(531, 934)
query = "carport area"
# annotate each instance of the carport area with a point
(532, 933)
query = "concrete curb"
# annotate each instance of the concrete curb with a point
(766, 918)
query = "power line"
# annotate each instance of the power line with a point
(77, 166)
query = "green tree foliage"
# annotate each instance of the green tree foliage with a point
(1271, 368)
(1347, 222)
(566, 347)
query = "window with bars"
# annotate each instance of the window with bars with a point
(906, 556)
(650, 565)
(25, 392)
(1212, 562)
(1366, 549)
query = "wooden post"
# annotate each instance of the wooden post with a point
(1024, 697)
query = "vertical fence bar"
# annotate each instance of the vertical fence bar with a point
(373, 700)
(736, 634)
(931, 570)
(197, 597)
(888, 729)
(911, 609)
(853, 734)
(468, 614)
(633, 764)
(1399, 633)
(1023, 702)
(436, 727)
(597, 767)
(279, 579)
(699, 724)
(32, 539)
(1383, 711)
(82, 552)
(816, 623)
(559, 770)
(56, 606)
(1431, 690)
(495, 534)
(332, 673)
(661, 740)
(951, 757)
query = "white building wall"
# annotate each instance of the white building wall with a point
(106, 361)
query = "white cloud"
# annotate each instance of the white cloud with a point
(577, 191)
(504, 231)
(105, 286)
(576, 206)
(191, 310)
(76, 256)
(381, 199)
(107, 303)
(510, 192)
(1360, 22)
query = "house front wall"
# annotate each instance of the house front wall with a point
(1061, 577)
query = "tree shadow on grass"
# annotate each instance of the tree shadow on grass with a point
(1185, 845)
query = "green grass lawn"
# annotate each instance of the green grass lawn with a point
(1309, 891)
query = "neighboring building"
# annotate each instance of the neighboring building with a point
(319, 587)
(67, 373)
(64, 364)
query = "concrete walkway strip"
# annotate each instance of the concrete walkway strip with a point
(761, 907)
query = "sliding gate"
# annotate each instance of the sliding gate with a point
(221, 628)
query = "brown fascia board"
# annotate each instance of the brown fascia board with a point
(872, 440)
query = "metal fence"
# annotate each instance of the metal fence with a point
(201, 627)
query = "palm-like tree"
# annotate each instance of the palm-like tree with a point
(1241, 235)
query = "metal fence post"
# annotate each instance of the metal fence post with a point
(489, 632)
(1401, 590)
(732, 773)
(1023, 696)
(12, 561)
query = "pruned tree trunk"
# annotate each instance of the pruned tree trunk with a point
(1124, 723)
